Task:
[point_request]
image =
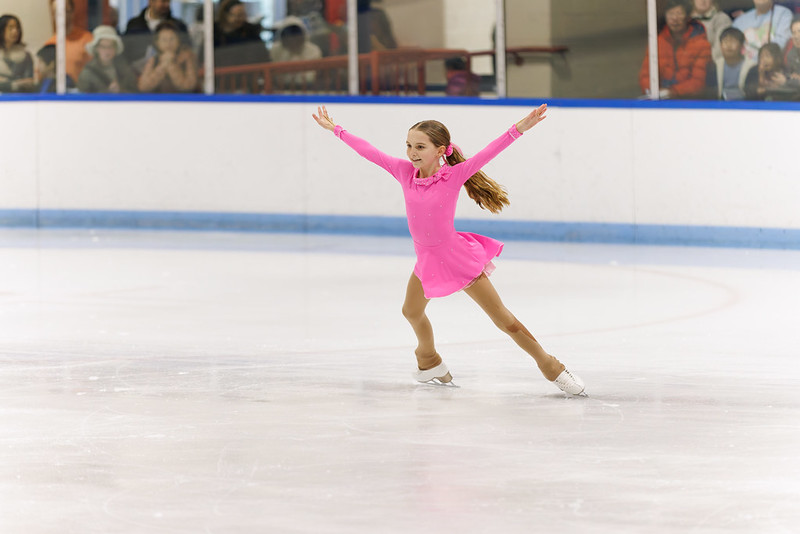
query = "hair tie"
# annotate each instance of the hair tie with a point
(449, 150)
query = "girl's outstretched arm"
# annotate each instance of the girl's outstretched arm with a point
(532, 119)
(395, 166)
(474, 164)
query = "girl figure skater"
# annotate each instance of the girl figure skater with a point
(450, 261)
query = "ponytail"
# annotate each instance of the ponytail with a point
(487, 193)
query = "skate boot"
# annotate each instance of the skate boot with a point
(569, 383)
(437, 376)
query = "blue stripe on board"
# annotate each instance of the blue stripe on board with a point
(411, 100)
(576, 232)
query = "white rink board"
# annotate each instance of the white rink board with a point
(689, 167)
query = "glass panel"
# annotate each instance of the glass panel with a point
(427, 47)
(574, 48)
(309, 49)
(279, 46)
(159, 54)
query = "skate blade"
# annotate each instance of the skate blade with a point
(439, 384)
(581, 394)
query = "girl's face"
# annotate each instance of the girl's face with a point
(105, 49)
(167, 41)
(795, 34)
(236, 16)
(421, 151)
(11, 36)
(766, 62)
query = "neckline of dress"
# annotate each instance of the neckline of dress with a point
(441, 172)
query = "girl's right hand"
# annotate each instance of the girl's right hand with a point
(323, 119)
(532, 119)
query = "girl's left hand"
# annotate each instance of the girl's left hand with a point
(533, 118)
(323, 119)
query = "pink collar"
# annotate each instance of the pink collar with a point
(442, 173)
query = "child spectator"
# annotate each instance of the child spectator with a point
(460, 81)
(295, 45)
(16, 63)
(732, 68)
(683, 55)
(173, 69)
(767, 80)
(765, 23)
(108, 71)
(141, 30)
(328, 37)
(46, 70)
(715, 21)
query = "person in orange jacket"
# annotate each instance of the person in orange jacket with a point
(683, 55)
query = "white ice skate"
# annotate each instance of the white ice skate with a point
(569, 383)
(437, 376)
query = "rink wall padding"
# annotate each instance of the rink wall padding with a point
(680, 173)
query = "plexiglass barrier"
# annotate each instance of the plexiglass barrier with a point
(705, 49)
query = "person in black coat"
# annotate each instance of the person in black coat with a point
(236, 41)
(139, 31)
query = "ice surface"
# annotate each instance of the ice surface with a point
(249, 383)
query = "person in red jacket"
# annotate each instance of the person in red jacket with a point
(683, 55)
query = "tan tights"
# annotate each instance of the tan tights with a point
(483, 292)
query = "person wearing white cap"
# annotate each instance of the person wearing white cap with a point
(108, 71)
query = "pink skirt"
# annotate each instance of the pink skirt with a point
(455, 264)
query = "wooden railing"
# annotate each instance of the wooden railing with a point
(517, 53)
(400, 71)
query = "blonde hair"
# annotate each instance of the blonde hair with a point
(487, 193)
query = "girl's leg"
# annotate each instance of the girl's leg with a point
(414, 311)
(484, 293)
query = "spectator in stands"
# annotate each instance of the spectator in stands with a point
(294, 45)
(16, 63)
(683, 55)
(140, 30)
(173, 68)
(793, 53)
(460, 81)
(108, 71)
(708, 14)
(765, 23)
(46, 70)
(374, 29)
(236, 41)
(329, 38)
(727, 75)
(767, 80)
(77, 39)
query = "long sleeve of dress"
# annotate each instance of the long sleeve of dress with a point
(475, 163)
(395, 166)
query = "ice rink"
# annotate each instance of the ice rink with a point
(194, 382)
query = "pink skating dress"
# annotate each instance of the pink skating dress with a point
(447, 261)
